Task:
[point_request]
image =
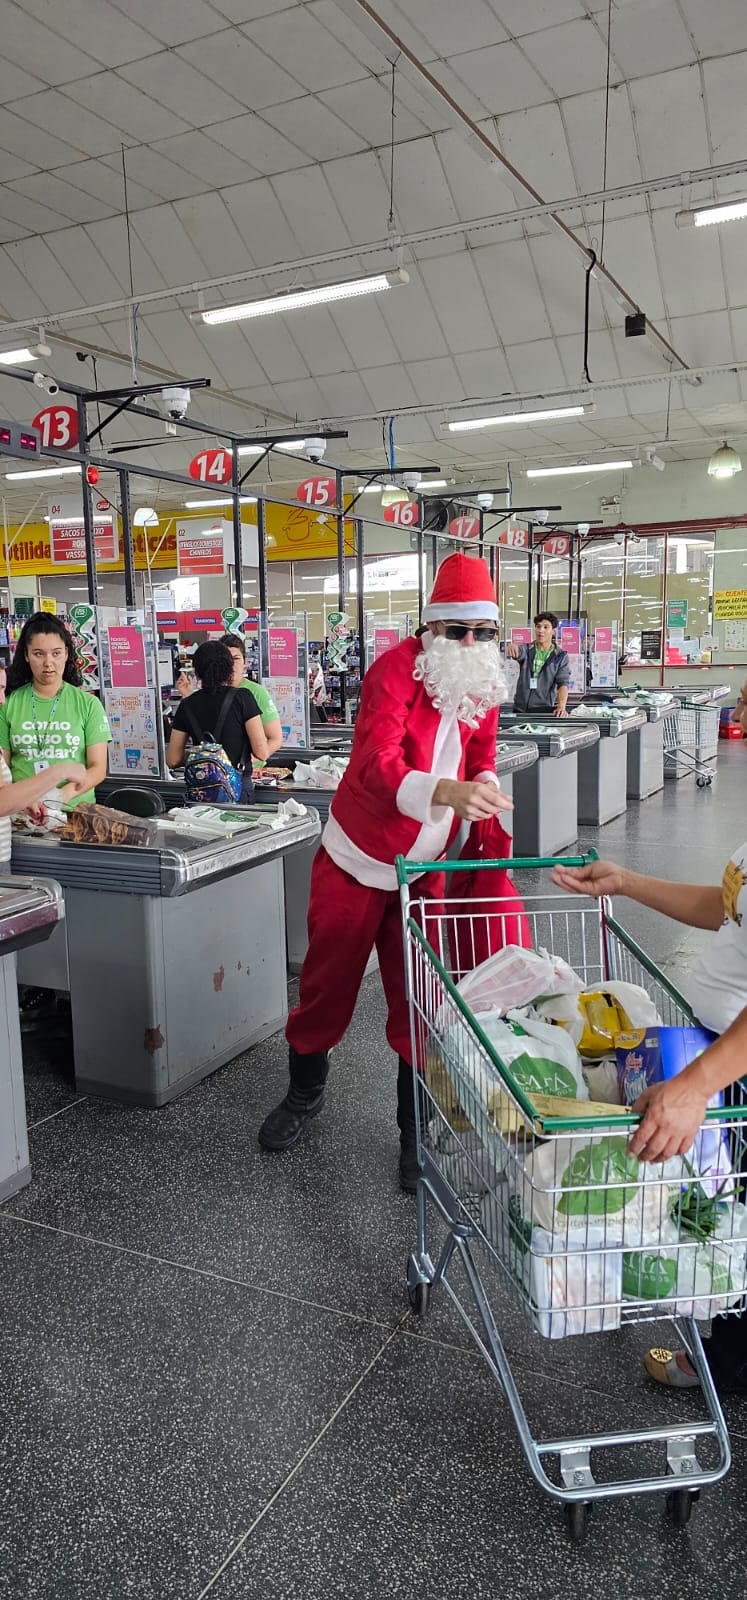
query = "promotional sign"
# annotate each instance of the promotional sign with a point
(48, 603)
(289, 695)
(58, 426)
(127, 656)
(212, 466)
(676, 614)
(729, 603)
(735, 636)
(227, 621)
(67, 542)
(85, 639)
(339, 641)
(319, 492)
(234, 618)
(651, 645)
(521, 635)
(515, 538)
(200, 554)
(132, 718)
(384, 639)
(283, 650)
(570, 640)
(603, 640)
(604, 669)
(404, 515)
(577, 665)
(464, 527)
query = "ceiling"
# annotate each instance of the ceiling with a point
(255, 137)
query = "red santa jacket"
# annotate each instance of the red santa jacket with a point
(401, 748)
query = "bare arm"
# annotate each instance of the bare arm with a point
(562, 702)
(28, 791)
(95, 772)
(695, 904)
(256, 735)
(474, 802)
(176, 748)
(672, 1112)
(274, 735)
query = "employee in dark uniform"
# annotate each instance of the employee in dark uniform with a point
(544, 670)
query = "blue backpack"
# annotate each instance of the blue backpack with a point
(209, 777)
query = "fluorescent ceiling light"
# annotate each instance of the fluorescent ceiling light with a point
(706, 216)
(299, 299)
(432, 483)
(199, 505)
(13, 358)
(553, 414)
(393, 495)
(586, 466)
(46, 472)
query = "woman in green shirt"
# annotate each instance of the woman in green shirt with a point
(47, 718)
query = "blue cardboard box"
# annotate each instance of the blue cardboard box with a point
(652, 1055)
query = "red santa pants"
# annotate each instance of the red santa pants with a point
(346, 920)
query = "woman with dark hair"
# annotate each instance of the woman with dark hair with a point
(48, 720)
(230, 715)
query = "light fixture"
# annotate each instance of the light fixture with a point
(45, 472)
(706, 216)
(724, 462)
(393, 495)
(431, 483)
(552, 414)
(299, 299)
(585, 466)
(14, 358)
(145, 517)
(199, 505)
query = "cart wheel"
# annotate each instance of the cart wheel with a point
(705, 780)
(576, 1517)
(680, 1505)
(418, 1289)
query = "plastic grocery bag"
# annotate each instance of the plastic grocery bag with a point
(576, 1287)
(591, 1018)
(325, 773)
(569, 1183)
(514, 977)
(549, 1062)
(600, 1078)
(485, 909)
(540, 1065)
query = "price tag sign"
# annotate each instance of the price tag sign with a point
(212, 466)
(58, 427)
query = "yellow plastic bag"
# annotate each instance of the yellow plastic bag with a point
(603, 1018)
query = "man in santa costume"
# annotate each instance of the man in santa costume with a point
(423, 760)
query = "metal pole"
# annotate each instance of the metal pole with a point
(664, 589)
(359, 576)
(540, 569)
(579, 580)
(263, 664)
(570, 571)
(238, 554)
(419, 548)
(88, 526)
(11, 600)
(623, 618)
(128, 548)
(339, 493)
(530, 570)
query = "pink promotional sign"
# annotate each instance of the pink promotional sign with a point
(283, 645)
(603, 640)
(127, 650)
(521, 635)
(570, 640)
(384, 639)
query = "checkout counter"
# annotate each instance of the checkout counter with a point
(545, 819)
(29, 913)
(645, 743)
(175, 955)
(603, 769)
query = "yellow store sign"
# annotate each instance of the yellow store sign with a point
(729, 603)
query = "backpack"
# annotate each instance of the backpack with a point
(209, 777)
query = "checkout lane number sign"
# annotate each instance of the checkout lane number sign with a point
(212, 466)
(58, 426)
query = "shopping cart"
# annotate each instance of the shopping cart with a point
(690, 741)
(530, 1191)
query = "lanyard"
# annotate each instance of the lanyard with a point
(39, 751)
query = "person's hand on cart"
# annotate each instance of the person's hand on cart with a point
(473, 802)
(672, 1114)
(597, 878)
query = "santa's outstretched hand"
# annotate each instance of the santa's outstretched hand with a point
(474, 802)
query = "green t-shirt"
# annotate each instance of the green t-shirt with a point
(267, 707)
(79, 721)
(540, 657)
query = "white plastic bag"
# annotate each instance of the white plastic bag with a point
(324, 773)
(547, 1043)
(514, 977)
(570, 1183)
(601, 1081)
(634, 1000)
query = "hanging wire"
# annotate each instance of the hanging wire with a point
(134, 334)
(390, 221)
(606, 124)
(390, 436)
(587, 291)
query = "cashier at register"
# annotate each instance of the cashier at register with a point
(544, 670)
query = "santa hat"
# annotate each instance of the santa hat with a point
(463, 592)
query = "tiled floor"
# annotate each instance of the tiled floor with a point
(211, 1383)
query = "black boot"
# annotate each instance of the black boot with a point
(409, 1167)
(304, 1100)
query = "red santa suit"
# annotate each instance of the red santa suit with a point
(402, 747)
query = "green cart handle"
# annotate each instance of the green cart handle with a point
(414, 869)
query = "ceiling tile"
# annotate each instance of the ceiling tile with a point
(535, 142)
(102, 31)
(649, 36)
(690, 257)
(366, 107)
(12, 167)
(249, 10)
(536, 364)
(199, 154)
(584, 118)
(484, 374)
(242, 69)
(257, 214)
(362, 196)
(110, 238)
(181, 346)
(365, 333)
(229, 349)
(14, 82)
(704, 340)
(571, 58)
(670, 122)
(48, 189)
(319, 341)
(719, 28)
(510, 286)
(725, 82)
(308, 202)
(356, 41)
(207, 221)
(412, 322)
(459, 303)
(122, 105)
(308, 50)
(86, 267)
(629, 254)
(520, 19)
(475, 184)
(172, 24)
(435, 379)
(299, 398)
(343, 393)
(27, 213)
(48, 279)
(501, 76)
(18, 296)
(97, 179)
(161, 233)
(443, 27)
(422, 197)
(169, 78)
(314, 128)
(163, 178)
(262, 146)
(276, 351)
(33, 144)
(65, 119)
(44, 54)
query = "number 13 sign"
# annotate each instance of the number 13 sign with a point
(58, 426)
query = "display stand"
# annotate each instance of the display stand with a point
(288, 677)
(128, 666)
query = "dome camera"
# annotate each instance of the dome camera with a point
(583, 527)
(43, 381)
(540, 516)
(314, 448)
(175, 403)
(485, 500)
(619, 535)
(411, 480)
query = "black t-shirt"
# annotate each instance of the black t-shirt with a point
(204, 709)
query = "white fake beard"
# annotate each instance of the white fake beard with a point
(468, 680)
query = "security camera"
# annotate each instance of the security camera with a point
(314, 448)
(619, 535)
(411, 479)
(540, 516)
(176, 402)
(654, 460)
(43, 381)
(485, 500)
(583, 527)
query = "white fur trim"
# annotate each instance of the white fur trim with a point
(465, 611)
(414, 797)
(487, 777)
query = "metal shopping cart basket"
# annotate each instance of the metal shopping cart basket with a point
(691, 741)
(540, 1199)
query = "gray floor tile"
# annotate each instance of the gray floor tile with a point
(149, 1414)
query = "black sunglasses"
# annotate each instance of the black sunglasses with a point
(459, 630)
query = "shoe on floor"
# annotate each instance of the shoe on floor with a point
(409, 1166)
(284, 1126)
(664, 1367)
